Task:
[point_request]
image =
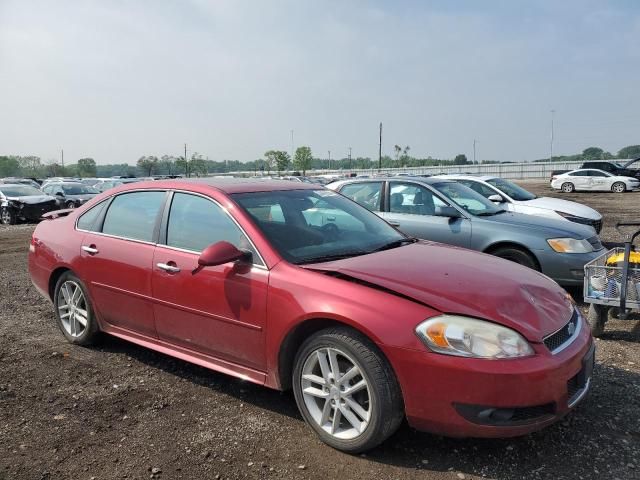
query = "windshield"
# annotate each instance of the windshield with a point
(469, 200)
(307, 226)
(78, 189)
(19, 190)
(511, 189)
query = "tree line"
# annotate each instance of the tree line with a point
(273, 161)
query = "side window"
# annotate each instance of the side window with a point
(46, 189)
(366, 194)
(579, 174)
(195, 223)
(413, 199)
(478, 187)
(133, 215)
(88, 219)
(595, 173)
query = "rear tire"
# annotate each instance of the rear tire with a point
(74, 312)
(568, 187)
(354, 422)
(70, 205)
(7, 216)
(516, 255)
(597, 318)
(618, 187)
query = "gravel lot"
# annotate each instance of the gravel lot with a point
(119, 411)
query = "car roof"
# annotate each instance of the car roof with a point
(226, 185)
(462, 176)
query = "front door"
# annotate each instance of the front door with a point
(412, 209)
(219, 311)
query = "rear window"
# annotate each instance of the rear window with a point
(87, 220)
(133, 215)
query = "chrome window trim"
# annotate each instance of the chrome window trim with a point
(224, 209)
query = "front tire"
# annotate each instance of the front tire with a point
(7, 216)
(346, 390)
(618, 187)
(73, 310)
(516, 255)
(568, 187)
(70, 205)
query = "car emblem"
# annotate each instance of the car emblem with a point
(571, 328)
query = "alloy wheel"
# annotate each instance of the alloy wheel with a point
(336, 393)
(72, 308)
(5, 217)
(618, 187)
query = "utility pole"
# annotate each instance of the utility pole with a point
(291, 144)
(474, 151)
(551, 145)
(329, 159)
(349, 158)
(62, 157)
(186, 162)
(380, 149)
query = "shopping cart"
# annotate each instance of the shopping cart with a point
(612, 282)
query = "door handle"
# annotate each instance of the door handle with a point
(91, 250)
(394, 224)
(168, 268)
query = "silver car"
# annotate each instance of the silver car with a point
(449, 212)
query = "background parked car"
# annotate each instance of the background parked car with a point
(614, 168)
(105, 184)
(593, 180)
(70, 194)
(514, 198)
(449, 212)
(20, 202)
(20, 181)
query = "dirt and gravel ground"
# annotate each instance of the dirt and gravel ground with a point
(119, 411)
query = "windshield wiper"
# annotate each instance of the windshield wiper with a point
(489, 214)
(395, 244)
(334, 256)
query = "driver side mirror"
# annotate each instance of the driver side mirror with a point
(495, 198)
(447, 211)
(220, 253)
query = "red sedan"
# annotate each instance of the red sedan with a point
(293, 286)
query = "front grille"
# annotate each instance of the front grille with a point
(562, 338)
(596, 224)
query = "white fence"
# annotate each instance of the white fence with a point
(504, 170)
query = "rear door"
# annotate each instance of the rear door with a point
(411, 208)
(219, 311)
(117, 258)
(581, 180)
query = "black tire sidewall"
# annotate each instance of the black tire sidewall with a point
(374, 429)
(90, 335)
(516, 255)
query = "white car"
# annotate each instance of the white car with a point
(593, 180)
(514, 198)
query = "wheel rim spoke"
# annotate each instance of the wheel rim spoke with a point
(324, 366)
(326, 411)
(357, 408)
(336, 421)
(351, 418)
(316, 392)
(333, 362)
(356, 388)
(353, 372)
(315, 379)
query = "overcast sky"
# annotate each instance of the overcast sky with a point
(115, 80)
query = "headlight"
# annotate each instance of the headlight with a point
(570, 245)
(469, 337)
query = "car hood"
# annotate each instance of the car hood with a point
(32, 199)
(459, 281)
(565, 206)
(548, 226)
